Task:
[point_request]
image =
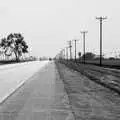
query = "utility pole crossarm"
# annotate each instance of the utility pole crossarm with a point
(101, 18)
(84, 32)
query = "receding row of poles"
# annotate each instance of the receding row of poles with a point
(62, 53)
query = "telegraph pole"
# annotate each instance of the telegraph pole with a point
(84, 33)
(63, 53)
(67, 53)
(70, 46)
(75, 48)
(101, 20)
(61, 56)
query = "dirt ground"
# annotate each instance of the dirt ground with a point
(89, 100)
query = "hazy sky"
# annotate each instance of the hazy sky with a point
(47, 25)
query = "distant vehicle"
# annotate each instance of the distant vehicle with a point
(50, 59)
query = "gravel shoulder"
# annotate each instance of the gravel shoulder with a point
(89, 100)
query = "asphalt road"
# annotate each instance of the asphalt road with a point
(12, 76)
(42, 97)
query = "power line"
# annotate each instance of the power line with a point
(101, 20)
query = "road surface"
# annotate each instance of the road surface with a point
(12, 76)
(42, 97)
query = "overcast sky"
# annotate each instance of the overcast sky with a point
(47, 25)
